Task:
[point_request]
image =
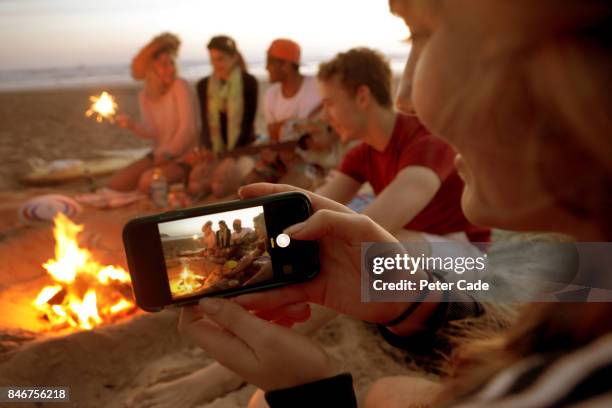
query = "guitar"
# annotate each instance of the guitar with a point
(198, 154)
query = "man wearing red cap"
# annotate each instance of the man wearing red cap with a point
(291, 95)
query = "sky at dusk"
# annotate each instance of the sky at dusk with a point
(62, 33)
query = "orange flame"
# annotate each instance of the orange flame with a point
(85, 293)
(103, 107)
(187, 282)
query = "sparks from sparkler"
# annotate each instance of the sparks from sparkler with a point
(102, 107)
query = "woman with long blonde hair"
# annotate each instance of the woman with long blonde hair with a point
(168, 115)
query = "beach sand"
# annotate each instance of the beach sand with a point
(107, 365)
(52, 125)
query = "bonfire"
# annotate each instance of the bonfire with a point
(84, 293)
(187, 282)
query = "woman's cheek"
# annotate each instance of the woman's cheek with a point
(482, 201)
(498, 192)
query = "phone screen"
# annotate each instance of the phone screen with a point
(216, 252)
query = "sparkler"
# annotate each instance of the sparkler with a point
(102, 107)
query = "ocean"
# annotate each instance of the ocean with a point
(109, 75)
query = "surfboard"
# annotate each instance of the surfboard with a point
(61, 171)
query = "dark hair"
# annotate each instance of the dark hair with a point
(228, 46)
(223, 43)
(361, 67)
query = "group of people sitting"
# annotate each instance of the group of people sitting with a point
(224, 238)
(239, 253)
(347, 114)
(204, 143)
(507, 85)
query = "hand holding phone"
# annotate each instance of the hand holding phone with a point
(340, 233)
(223, 249)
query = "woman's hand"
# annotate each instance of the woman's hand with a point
(124, 121)
(225, 178)
(198, 155)
(265, 354)
(340, 232)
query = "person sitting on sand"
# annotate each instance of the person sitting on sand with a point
(290, 96)
(209, 238)
(239, 234)
(168, 115)
(223, 235)
(396, 154)
(228, 105)
(212, 251)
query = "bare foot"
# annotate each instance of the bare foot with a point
(201, 386)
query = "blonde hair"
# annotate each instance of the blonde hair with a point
(153, 85)
(142, 63)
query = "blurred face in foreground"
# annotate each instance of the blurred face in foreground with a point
(222, 63)
(455, 81)
(165, 69)
(345, 113)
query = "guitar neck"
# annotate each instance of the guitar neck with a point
(254, 149)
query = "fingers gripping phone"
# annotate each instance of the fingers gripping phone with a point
(224, 249)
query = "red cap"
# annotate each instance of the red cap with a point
(285, 49)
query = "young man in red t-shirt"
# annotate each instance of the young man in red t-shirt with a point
(416, 186)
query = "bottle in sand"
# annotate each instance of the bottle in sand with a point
(158, 190)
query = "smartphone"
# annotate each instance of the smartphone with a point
(223, 249)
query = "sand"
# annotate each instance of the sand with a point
(52, 125)
(110, 364)
(107, 365)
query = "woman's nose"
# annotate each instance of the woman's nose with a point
(403, 102)
(403, 99)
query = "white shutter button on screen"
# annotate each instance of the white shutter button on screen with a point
(283, 240)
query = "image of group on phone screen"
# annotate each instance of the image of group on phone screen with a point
(216, 252)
